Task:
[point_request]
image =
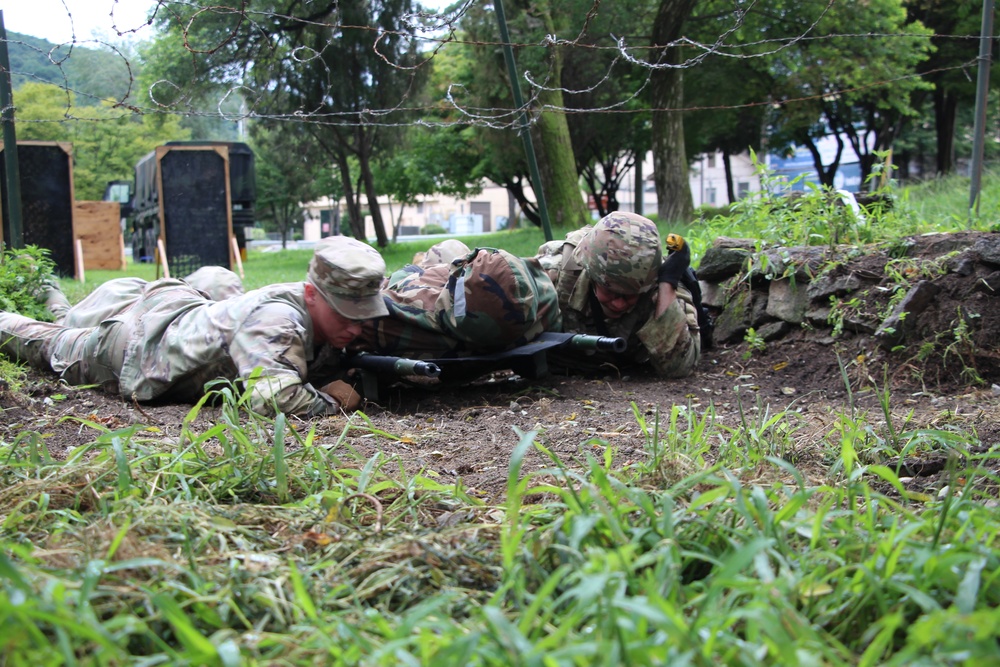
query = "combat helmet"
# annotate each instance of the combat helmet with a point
(621, 252)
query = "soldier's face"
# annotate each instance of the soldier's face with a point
(329, 326)
(614, 304)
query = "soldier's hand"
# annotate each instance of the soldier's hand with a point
(677, 262)
(343, 393)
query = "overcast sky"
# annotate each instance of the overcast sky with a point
(50, 19)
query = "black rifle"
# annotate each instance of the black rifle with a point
(371, 368)
(529, 360)
(705, 320)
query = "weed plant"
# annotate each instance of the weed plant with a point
(24, 277)
(251, 543)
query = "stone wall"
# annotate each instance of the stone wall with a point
(919, 288)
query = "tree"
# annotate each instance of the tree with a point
(853, 87)
(670, 175)
(287, 176)
(947, 67)
(342, 71)
(557, 165)
(609, 119)
(107, 142)
(93, 74)
(726, 91)
(442, 161)
(489, 87)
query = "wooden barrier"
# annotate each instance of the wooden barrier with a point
(97, 224)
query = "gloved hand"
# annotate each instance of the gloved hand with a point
(343, 393)
(677, 262)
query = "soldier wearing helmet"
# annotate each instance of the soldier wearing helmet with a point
(613, 280)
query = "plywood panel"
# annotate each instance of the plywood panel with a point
(98, 225)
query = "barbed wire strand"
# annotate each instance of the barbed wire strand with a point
(493, 117)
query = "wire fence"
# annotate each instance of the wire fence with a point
(435, 33)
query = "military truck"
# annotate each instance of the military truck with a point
(194, 196)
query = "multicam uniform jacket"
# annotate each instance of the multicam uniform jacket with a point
(173, 340)
(670, 342)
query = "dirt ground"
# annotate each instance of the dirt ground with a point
(467, 432)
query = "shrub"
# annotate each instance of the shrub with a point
(25, 275)
(433, 229)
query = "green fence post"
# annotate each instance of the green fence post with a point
(522, 119)
(16, 239)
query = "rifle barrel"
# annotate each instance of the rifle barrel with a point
(603, 343)
(415, 367)
(394, 365)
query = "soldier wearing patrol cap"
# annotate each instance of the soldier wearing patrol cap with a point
(173, 340)
(612, 280)
(115, 296)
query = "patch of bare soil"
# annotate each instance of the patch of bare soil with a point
(468, 432)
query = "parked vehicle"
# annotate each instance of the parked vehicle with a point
(193, 194)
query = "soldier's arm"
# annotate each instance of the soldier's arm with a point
(269, 350)
(671, 339)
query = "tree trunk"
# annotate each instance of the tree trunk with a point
(639, 187)
(727, 162)
(354, 220)
(826, 173)
(376, 211)
(511, 210)
(945, 112)
(670, 172)
(557, 162)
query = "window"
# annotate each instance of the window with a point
(742, 189)
(711, 161)
(710, 196)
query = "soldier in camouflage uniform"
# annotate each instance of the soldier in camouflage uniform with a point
(487, 301)
(611, 282)
(116, 296)
(173, 340)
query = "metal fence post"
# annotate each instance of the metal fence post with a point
(522, 117)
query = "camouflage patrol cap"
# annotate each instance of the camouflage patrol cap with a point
(348, 273)
(445, 252)
(621, 252)
(217, 282)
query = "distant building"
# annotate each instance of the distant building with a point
(799, 161)
(493, 208)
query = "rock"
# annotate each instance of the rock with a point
(988, 249)
(818, 316)
(963, 265)
(735, 319)
(827, 285)
(713, 294)
(721, 262)
(903, 318)
(990, 284)
(758, 310)
(787, 300)
(773, 330)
